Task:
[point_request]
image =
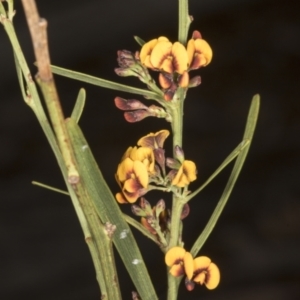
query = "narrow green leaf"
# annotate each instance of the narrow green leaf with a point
(224, 164)
(248, 135)
(103, 82)
(20, 77)
(140, 41)
(51, 188)
(79, 105)
(109, 211)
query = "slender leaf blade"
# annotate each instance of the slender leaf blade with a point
(248, 135)
(109, 211)
(79, 105)
(102, 82)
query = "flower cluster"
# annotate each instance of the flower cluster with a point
(198, 270)
(161, 55)
(146, 164)
(174, 61)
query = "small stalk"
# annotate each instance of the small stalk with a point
(184, 21)
(37, 27)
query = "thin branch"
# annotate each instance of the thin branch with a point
(38, 31)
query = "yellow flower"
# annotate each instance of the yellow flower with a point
(161, 54)
(180, 262)
(133, 173)
(199, 53)
(154, 140)
(133, 178)
(200, 270)
(186, 174)
(147, 49)
(206, 272)
(142, 154)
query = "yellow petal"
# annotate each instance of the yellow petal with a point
(163, 39)
(159, 53)
(190, 50)
(177, 270)
(201, 46)
(177, 178)
(124, 168)
(141, 173)
(184, 80)
(120, 198)
(188, 265)
(201, 263)
(145, 155)
(185, 174)
(154, 140)
(164, 82)
(167, 65)
(212, 277)
(200, 278)
(131, 197)
(174, 255)
(131, 185)
(147, 62)
(161, 136)
(180, 58)
(127, 153)
(189, 169)
(147, 49)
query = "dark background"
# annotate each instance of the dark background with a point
(256, 242)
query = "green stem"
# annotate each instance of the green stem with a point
(175, 109)
(173, 285)
(184, 21)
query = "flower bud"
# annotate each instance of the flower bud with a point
(160, 207)
(159, 155)
(183, 80)
(125, 59)
(136, 116)
(185, 211)
(173, 163)
(195, 81)
(168, 95)
(189, 284)
(125, 72)
(196, 35)
(136, 210)
(130, 104)
(145, 205)
(165, 81)
(179, 153)
(171, 175)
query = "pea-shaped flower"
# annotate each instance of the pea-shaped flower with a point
(133, 178)
(133, 173)
(199, 52)
(206, 272)
(160, 54)
(180, 262)
(186, 174)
